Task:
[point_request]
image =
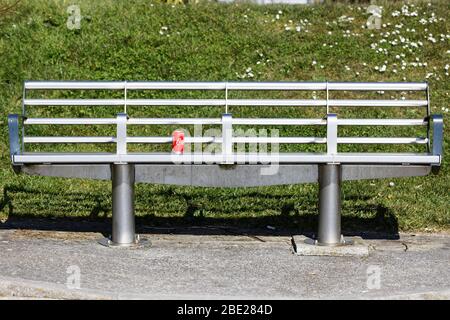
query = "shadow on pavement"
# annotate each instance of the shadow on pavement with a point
(54, 211)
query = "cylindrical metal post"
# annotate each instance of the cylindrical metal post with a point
(329, 204)
(123, 231)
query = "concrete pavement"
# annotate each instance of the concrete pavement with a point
(52, 264)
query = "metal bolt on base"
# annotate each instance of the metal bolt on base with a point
(123, 223)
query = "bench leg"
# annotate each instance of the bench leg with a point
(123, 220)
(123, 232)
(329, 205)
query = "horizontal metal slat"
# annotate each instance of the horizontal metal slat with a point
(74, 102)
(377, 103)
(372, 86)
(294, 140)
(376, 158)
(168, 121)
(236, 121)
(173, 102)
(73, 85)
(223, 102)
(69, 121)
(272, 140)
(394, 140)
(307, 86)
(69, 139)
(218, 121)
(161, 140)
(382, 122)
(203, 85)
(277, 121)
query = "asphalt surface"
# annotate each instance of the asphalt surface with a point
(44, 264)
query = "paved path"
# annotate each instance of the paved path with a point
(39, 264)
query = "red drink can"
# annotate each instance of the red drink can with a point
(178, 142)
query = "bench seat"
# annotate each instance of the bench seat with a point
(239, 158)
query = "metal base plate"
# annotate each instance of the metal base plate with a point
(140, 243)
(344, 242)
(347, 248)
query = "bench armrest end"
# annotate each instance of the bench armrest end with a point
(437, 122)
(14, 139)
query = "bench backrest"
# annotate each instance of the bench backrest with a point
(334, 96)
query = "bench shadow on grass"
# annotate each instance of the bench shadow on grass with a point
(31, 209)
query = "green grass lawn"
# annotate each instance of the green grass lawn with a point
(143, 40)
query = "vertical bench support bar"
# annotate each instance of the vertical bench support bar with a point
(329, 204)
(125, 97)
(121, 141)
(123, 226)
(332, 133)
(227, 138)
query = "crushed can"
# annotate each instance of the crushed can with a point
(178, 142)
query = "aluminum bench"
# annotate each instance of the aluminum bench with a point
(229, 165)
